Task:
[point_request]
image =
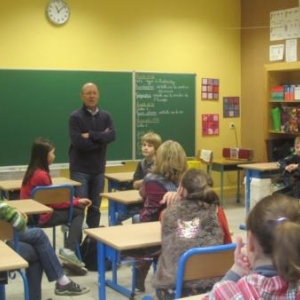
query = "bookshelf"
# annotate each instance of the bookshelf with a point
(280, 140)
(282, 88)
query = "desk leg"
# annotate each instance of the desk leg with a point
(222, 187)
(248, 182)
(113, 283)
(4, 194)
(111, 212)
(101, 270)
(25, 284)
(238, 193)
(2, 291)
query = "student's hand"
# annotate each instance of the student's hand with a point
(85, 135)
(170, 198)
(24, 216)
(291, 167)
(137, 184)
(241, 262)
(84, 202)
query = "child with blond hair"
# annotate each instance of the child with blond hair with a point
(170, 164)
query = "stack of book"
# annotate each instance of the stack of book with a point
(287, 92)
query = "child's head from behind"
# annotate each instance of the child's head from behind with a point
(42, 153)
(170, 160)
(297, 145)
(274, 224)
(197, 184)
(150, 143)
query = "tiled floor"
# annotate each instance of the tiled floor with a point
(14, 291)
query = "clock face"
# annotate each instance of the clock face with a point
(58, 12)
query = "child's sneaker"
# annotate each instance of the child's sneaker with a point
(70, 289)
(73, 270)
(70, 257)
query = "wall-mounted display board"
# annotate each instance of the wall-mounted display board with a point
(38, 103)
(165, 104)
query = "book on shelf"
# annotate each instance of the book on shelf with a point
(286, 92)
(290, 119)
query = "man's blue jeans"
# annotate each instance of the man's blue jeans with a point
(36, 249)
(91, 187)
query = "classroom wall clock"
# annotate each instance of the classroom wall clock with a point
(58, 12)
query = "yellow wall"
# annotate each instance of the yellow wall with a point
(193, 36)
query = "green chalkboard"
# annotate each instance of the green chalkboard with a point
(38, 103)
(165, 104)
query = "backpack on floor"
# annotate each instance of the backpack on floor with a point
(88, 250)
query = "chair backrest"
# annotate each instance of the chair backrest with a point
(6, 230)
(204, 263)
(53, 194)
(206, 158)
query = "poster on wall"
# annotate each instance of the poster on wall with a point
(210, 89)
(210, 124)
(285, 24)
(231, 107)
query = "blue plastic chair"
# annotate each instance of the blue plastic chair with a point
(203, 263)
(56, 194)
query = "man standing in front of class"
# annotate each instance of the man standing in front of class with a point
(91, 129)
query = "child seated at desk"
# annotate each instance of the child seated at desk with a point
(35, 248)
(170, 164)
(37, 174)
(150, 143)
(269, 267)
(291, 168)
(192, 222)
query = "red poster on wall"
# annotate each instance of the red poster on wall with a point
(210, 124)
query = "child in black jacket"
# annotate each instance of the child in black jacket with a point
(291, 168)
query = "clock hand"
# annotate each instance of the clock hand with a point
(57, 9)
(61, 8)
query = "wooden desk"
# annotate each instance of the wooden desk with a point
(29, 206)
(124, 198)
(119, 181)
(225, 165)
(7, 186)
(258, 170)
(10, 260)
(126, 237)
(196, 297)
(65, 180)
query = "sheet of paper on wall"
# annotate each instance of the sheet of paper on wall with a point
(284, 24)
(276, 52)
(291, 50)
